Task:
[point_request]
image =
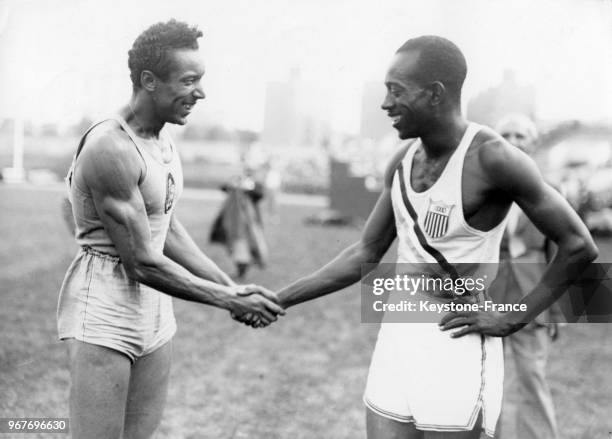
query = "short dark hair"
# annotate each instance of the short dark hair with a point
(152, 48)
(439, 60)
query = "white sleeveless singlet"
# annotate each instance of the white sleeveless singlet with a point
(439, 215)
(99, 303)
(418, 373)
(160, 188)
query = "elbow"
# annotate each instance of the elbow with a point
(141, 268)
(134, 272)
(367, 254)
(585, 251)
(591, 251)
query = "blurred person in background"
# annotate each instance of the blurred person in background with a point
(239, 224)
(524, 254)
(115, 306)
(273, 182)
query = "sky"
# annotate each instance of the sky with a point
(63, 59)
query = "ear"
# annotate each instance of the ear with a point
(438, 91)
(148, 80)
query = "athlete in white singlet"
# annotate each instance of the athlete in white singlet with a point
(115, 309)
(445, 198)
(111, 311)
(425, 372)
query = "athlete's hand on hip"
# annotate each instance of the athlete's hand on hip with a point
(482, 322)
(257, 318)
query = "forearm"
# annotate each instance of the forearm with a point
(566, 267)
(167, 276)
(197, 263)
(341, 272)
(180, 248)
(346, 269)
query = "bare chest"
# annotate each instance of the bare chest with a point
(426, 171)
(160, 149)
(482, 207)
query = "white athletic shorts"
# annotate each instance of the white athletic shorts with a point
(420, 374)
(99, 304)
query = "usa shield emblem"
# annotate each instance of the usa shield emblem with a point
(436, 220)
(170, 191)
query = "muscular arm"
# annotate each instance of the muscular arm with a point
(181, 248)
(345, 269)
(517, 175)
(112, 169)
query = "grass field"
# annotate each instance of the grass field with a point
(302, 378)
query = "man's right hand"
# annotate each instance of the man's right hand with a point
(254, 305)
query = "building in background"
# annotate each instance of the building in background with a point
(488, 106)
(356, 170)
(296, 114)
(375, 124)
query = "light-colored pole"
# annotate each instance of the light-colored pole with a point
(16, 173)
(18, 143)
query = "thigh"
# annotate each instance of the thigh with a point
(147, 392)
(379, 427)
(99, 385)
(475, 433)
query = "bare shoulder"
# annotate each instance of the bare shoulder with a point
(395, 161)
(503, 165)
(109, 157)
(489, 148)
(108, 138)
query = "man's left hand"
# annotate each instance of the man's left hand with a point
(482, 322)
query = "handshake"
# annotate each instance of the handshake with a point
(254, 305)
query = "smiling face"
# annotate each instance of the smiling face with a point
(406, 102)
(175, 96)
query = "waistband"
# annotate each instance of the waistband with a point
(100, 254)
